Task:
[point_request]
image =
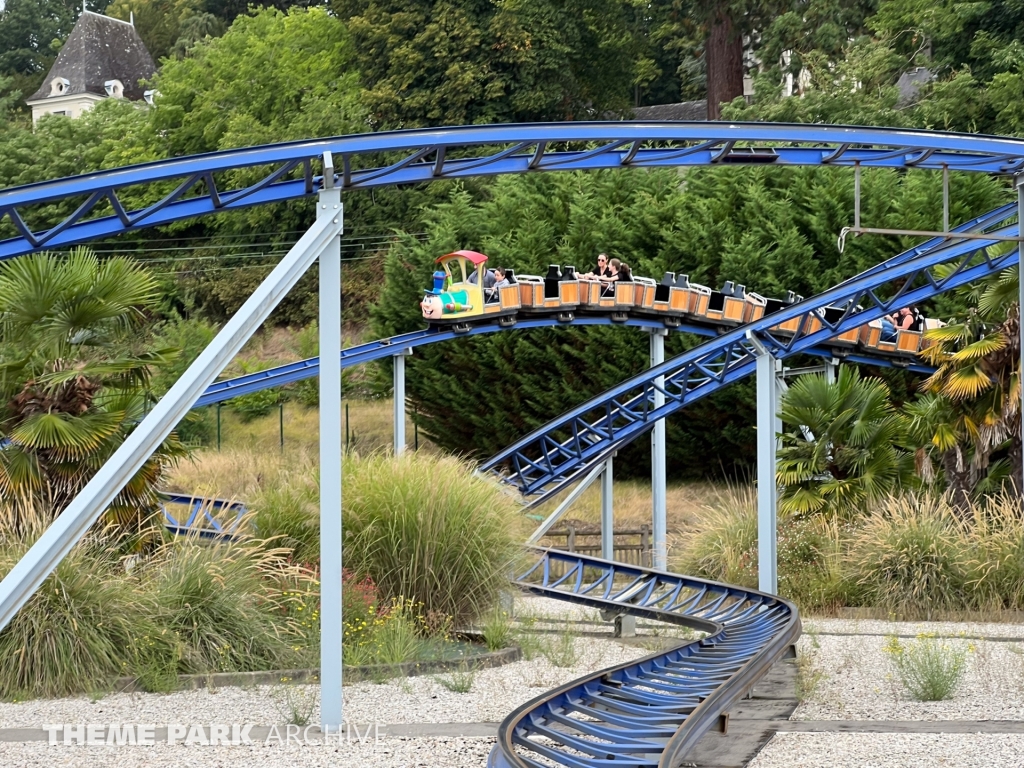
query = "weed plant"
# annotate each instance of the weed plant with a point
(296, 702)
(459, 680)
(561, 650)
(497, 629)
(929, 669)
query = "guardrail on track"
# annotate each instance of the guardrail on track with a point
(650, 712)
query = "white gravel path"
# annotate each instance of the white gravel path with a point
(857, 682)
(388, 753)
(875, 750)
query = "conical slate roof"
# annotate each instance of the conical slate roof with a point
(99, 49)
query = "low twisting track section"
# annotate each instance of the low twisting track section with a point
(653, 711)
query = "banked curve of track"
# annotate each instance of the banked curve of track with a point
(653, 711)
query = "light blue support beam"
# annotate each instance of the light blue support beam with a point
(607, 513)
(562, 508)
(399, 393)
(767, 518)
(658, 490)
(1019, 180)
(76, 519)
(331, 630)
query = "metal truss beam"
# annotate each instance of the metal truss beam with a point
(626, 411)
(108, 203)
(375, 350)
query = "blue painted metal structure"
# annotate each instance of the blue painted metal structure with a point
(376, 350)
(653, 711)
(108, 203)
(202, 520)
(553, 456)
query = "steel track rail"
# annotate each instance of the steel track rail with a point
(581, 436)
(377, 350)
(62, 212)
(653, 711)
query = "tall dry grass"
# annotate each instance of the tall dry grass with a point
(425, 529)
(367, 425)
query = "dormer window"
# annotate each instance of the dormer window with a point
(59, 86)
(114, 88)
(149, 96)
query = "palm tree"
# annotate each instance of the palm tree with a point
(972, 405)
(841, 449)
(74, 375)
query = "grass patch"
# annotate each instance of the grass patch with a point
(723, 545)
(220, 603)
(497, 629)
(458, 681)
(561, 650)
(424, 529)
(78, 631)
(906, 556)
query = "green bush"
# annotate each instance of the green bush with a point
(906, 556)
(255, 404)
(424, 529)
(191, 336)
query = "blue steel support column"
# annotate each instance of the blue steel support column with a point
(767, 572)
(658, 491)
(331, 630)
(607, 513)
(399, 394)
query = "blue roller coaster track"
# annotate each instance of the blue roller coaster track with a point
(649, 712)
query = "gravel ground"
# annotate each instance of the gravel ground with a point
(388, 753)
(874, 750)
(856, 680)
(855, 683)
(494, 694)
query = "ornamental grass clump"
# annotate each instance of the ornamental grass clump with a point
(78, 630)
(723, 545)
(929, 669)
(223, 604)
(424, 529)
(995, 559)
(907, 554)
